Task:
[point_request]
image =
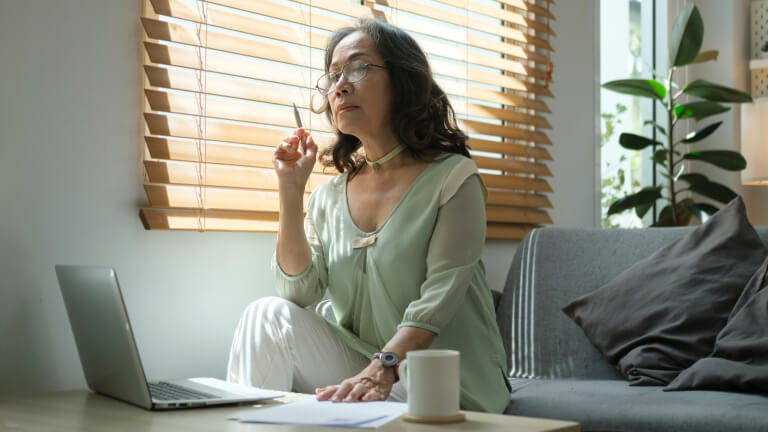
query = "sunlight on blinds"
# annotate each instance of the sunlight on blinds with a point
(221, 77)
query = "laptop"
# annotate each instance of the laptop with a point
(109, 356)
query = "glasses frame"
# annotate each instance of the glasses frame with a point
(341, 73)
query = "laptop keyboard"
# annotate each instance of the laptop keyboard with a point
(164, 391)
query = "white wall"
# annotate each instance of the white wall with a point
(70, 189)
(575, 122)
(726, 28)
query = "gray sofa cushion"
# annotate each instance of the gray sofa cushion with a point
(604, 404)
(664, 312)
(740, 358)
(551, 267)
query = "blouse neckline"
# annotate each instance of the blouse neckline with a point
(394, 209)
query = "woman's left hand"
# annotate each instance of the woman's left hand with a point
(372, 384)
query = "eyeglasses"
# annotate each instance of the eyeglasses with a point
(353, 71)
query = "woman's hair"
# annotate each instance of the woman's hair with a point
(422, 118)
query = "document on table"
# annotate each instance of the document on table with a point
(312, 412)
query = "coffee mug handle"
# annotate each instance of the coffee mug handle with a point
(402, 370)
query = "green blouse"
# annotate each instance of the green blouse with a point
(422, 268)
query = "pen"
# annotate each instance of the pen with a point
(298, 124)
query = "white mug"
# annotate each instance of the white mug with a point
(432, 380)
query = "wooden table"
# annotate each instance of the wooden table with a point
(83, 411)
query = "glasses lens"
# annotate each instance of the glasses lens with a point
(355, 71)
(324, 84)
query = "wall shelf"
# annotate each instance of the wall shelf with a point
(758, 63)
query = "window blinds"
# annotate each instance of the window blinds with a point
(221, 77)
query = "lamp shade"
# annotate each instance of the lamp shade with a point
(754, 142)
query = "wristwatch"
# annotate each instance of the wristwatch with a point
(389, 359)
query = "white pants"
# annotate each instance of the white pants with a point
(281, 346)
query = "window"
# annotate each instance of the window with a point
(221, 76)
(627, 50)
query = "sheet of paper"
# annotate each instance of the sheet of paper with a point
(310, 411)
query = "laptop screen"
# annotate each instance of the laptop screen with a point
(103, 334)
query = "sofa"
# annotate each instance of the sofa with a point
(554, 370)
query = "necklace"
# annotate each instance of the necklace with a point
(386, 158)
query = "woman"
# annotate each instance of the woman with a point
(395, 240)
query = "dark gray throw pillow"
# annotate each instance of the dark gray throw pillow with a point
(740, 359)
(663, 313)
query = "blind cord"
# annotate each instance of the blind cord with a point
(202, 117)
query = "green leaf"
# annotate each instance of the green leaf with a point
(706, 56)
(701, 133)
(699, 110)
(725, 159)
(656, 125)
(638, 87)
(635, 142)
(665, 217)
(679, 171)
(660, 157)
(645, 196)
(693, 178)
(715, 92)
(702, 211)
(687, 34)
(714, 190)
(641, 210)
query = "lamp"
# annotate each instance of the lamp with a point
(754, 142)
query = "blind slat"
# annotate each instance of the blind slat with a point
(523, 5)
(232, 65)
(227, 86)
(514, 182)
(214, 153)
(219, 130)
(212, 198)
(248, 25)
(511, 165)
(178, 33)
(517, 199)
(517, 215)
(215, 175)
(508, 148)
(469, 22)
(193, 220)
(232, 109)
(508, 231)
(511, 16)
(505, 131)
(508, 115)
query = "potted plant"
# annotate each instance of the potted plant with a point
(684, 49)
(764, 49)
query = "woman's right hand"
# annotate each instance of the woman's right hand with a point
(293, 167)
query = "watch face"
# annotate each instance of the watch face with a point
(388, 359)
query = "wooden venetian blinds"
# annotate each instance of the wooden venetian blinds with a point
(221, 75)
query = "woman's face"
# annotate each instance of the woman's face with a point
(361, 109)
